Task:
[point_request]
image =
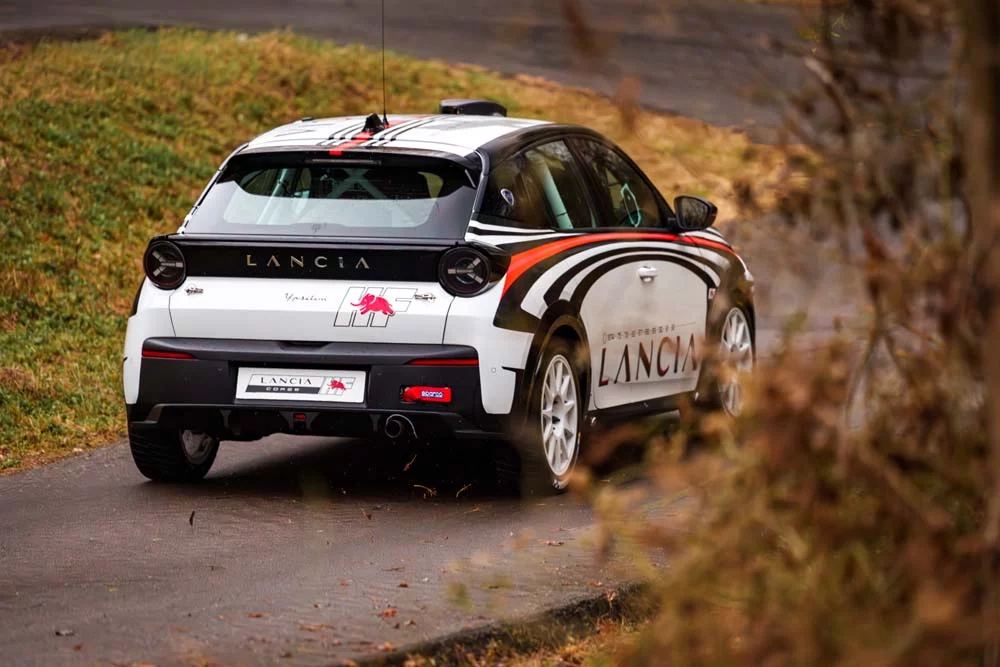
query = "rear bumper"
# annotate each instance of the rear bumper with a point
(199, 392)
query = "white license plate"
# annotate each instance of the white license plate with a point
(290, 384)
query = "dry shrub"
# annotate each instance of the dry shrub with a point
(845, 518)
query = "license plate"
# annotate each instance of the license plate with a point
(289, 384)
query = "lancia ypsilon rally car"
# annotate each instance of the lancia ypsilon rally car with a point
(457, 277)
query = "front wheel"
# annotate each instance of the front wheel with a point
(734, 361)
(555, 421)
(167, 455)
(737, 354)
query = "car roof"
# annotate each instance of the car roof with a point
(460, 135)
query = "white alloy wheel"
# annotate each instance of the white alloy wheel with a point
(560, 415)
(197, 446)
(736, 352)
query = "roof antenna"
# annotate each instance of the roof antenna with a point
(385, 113)
(374, 124)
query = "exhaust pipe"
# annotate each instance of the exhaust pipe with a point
(398, 426)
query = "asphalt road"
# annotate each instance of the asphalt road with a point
(702, 58)
(291, 551)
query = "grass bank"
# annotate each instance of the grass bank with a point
(104, 143)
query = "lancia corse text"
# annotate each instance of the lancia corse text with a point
(290, 381)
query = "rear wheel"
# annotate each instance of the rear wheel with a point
(167, 455)
(555, 421)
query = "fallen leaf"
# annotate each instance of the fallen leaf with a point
(314, 627)
(65, 632)
(403, 584)
(612, 596)
(428, 492)
(345, 582)
(256, 614)
(406, 468)
(410, 622)
(595, 584)
(78, 647)
(397, 568)
(553, 543)
(474, 509)
(366, 514)
(388, 613)
(386, 647)
(191, 518)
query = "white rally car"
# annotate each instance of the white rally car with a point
(450, 276)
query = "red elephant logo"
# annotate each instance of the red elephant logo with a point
(371, 303)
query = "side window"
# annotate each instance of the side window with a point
(562, 186)
(513, 196)
(540, 188)
(625, 192)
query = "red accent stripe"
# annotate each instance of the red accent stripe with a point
(444, 362)
(523, 261)
(156, 354)
(356, 141)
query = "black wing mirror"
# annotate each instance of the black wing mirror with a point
(694, 213)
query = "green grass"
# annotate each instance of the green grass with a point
(105, 143)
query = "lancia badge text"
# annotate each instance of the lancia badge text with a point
(299, 262)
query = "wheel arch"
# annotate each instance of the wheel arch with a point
(561, 320)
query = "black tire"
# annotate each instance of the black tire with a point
(159, 454)
(536, 475)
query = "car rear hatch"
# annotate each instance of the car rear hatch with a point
(309, 292)
(323, 245)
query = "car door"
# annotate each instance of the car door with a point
(645, 310)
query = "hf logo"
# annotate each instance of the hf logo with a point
(372, 306)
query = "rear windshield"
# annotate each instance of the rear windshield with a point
(283, 194)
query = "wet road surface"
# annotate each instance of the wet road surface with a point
(298, 549)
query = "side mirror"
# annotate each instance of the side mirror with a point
(694, 213)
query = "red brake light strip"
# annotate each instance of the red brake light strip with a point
(444, 362)
(157, 354)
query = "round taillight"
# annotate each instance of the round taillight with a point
(164, 264)
(464, 271)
